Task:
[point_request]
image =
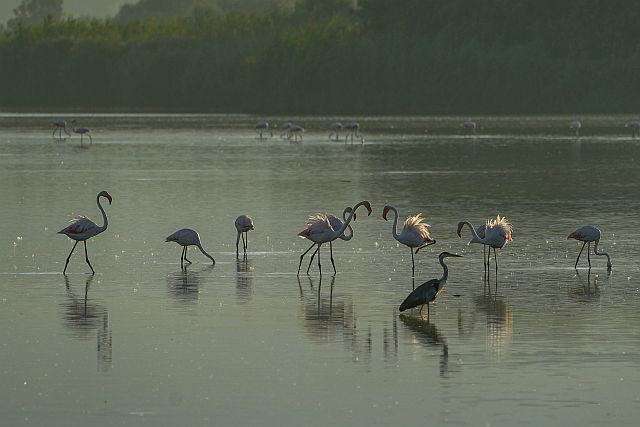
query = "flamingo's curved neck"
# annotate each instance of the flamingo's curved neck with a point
(205, 252)
(595, 251)
(475, 238)
(347, 220)
(344, 218)
(104, 215)
(394, 230)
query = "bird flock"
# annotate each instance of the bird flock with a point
(324, 228)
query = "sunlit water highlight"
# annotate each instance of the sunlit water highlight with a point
(247, 342)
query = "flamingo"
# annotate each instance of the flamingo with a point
(634, 125)
(263, 127)
(480, 230)
(415, 233)
(296, 131)
(82, 229)
(352, 129)
(286, 130)
(497, 233)
(469, 126)
(588, 234)
(82, 131)
(60, 126)
(336, 224)
(187, 237)
(243, 225)
(576, 125)
(319, 231)
(428, 291)
(335, 127)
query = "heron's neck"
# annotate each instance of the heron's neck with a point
(104, 215)
(445, 272)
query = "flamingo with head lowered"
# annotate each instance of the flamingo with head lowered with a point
(319, 231)
(187, 237)
(415, 233)
(588, 234)
(82, 229)
(243, 225)
(497, 233)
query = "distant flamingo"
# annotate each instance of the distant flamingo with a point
(60, 126)
(480, 230)
(243, 225)
(498, 232)
(187, 237)
(263, 127)
(82, 229)
(588, 234)
(469, 126)
(82, 131)
(336, 224)
(428, 291)
(296, 132)
(414, 234)
(634, 125)
(352, 129)
(336, 127)
(319, 231)
(576, 125)
(286, 130)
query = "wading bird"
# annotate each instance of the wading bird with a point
(352, 129)
(263, 127)
(498, 232)
(588, 234)
(82, 131)
(187, 237)
(60, 126)
(286, 130)
(480, 232)
(336, 224)
(428, 291)
(82, 229)
(634, 125)
(243, 225)
(469, 126)
(296, 132)
(319, 231)
(336, 127)
(576, 125)
(414, 234)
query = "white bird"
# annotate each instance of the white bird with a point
(335, 127)
(588, 234)
(428, 291)
(414, 234)
(469, 126)
(319, 231)
(82, 229)
(82, 131)
(60, 126)
(263, 127)
(480, 230)
(634, 125)
(336, 224)
(497, 233)
(243, 224)
(187, 237)
(352, 129)
(576, 125)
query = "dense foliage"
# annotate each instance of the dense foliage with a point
(327, 56)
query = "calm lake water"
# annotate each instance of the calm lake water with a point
(142, 342)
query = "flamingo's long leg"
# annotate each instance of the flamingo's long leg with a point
(424, 246)
(302, 256)
(86, 257)
(331, 253)
(319, 266)
(244, 245)
(413, 265)
(311, 260)
(579, 253)
(495, 261)
(69, 257)
(185, 255)
(588, 255)
(246, 241)
(237, 243)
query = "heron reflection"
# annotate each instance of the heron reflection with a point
(244, 280)
(84, 318)
(424, 332)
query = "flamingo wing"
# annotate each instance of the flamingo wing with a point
(80, 225)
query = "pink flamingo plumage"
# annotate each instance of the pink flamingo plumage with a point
(497, 233)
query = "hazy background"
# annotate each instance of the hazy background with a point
(97, 8)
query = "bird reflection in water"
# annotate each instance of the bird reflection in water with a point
(84, 318)
(499, 321)
(244, 280)
(184, 285)
(426, 333)
(587, 287)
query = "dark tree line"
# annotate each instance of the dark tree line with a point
(334, 56)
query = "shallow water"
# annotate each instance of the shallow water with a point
(245, 342)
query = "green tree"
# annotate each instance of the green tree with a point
(34, 12)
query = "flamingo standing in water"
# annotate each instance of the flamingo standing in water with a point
(319, 231)
(263, 127)
(243, 225)
(187, 237)
(414, 234)
(296, 132)
(82, 229)
(469, 126)
(82, 131)
(634, 125)
(336, 127)
(588, 234)
(352, 129)
(480, 230)
(60, 126)
(428, 291)
(576, 125)
(497, 233)
(286, 130)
